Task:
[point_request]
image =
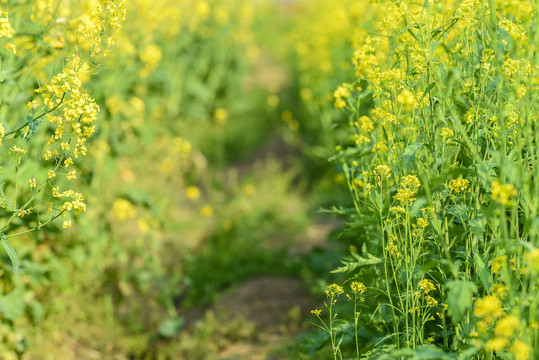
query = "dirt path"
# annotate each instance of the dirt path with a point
(275, 307)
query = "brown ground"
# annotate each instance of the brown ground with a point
(274, 306)
(261, 315)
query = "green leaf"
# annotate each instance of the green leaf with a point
(482, 270)
(36, 311)
(408, 155)
(486, 173)
(429, 88)
(459, 299)
(170, 327)
(12, 305)
(351, 265)
(11, 253)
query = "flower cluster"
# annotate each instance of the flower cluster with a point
(409, 185)
(502, 193)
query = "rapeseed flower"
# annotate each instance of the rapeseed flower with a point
(207, 210)
(123, 210)
(357, 288)
(497, 344)
(502, 193)
(341, 94)
(533, 258)
(334, 290)
(6, 30)
(458, 185)
(192, 192)
(447, 133)
(520, 350)
(507, 326)
(488, 307)
(426, 286)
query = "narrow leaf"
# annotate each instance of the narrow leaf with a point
(482, 270)
(429, 88)
(11, 253)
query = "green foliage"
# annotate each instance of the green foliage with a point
(459, 298)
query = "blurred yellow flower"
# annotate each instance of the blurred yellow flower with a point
(487, 307)
(497, 344)
(447, 133)
(192, 192)
(273, 100)
(143, 225)
(507, 326)
(123, 210)
(520, 350)
(220, 115)
(502, 193)
(207, 211)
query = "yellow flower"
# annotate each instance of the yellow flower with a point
(123, 210)
(516, 31)
(32, 105)
(358, 288)
(334, 290)
(23, 212)
(207, 211)
(407, 99)
(426, 285)
(2, 132)
(273, 100)
(366, 124)
(499, 264)
(487, 307)
(486, 58)
(6, 30)
(71, 175)
(405, 196)
(507, 326)
(220, 116)
(341, 94)
(497, 344)
(248, 189)
(502, 193)
(431, 301)
(66, 224)
(421, 222)
(533, 258)
(143, 225)
(51, 174)
(32, 182)
(447, 133)
(520, 350)
(458, 185)
(17, 150)
(306, 94)
(192, 192)
(411, 182)
(383, 171)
